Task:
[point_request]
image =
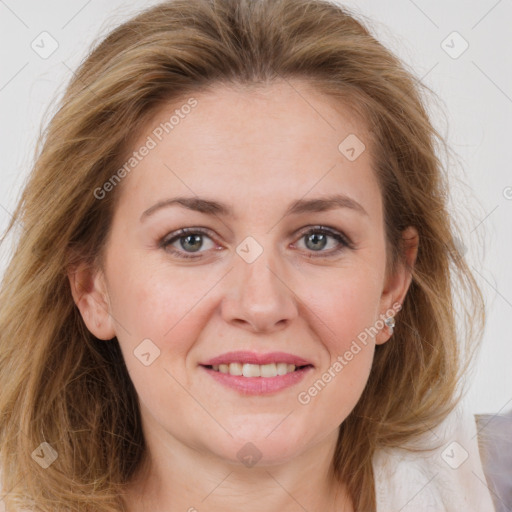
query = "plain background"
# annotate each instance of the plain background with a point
(474, 113)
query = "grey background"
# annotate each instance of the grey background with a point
(474, 113)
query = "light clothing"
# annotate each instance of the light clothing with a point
(448, 478)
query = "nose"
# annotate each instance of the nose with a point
(258, 297)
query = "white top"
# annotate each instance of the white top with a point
(447, 478)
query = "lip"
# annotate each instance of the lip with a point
(255, 358)
(258, 385)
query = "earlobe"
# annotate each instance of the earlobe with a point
(90, 295)
(397, 285)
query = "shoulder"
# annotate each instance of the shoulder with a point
(447, 477)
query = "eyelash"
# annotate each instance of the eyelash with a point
(165, 243)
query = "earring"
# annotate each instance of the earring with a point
(390, 322)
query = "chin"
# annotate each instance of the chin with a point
(255, 447)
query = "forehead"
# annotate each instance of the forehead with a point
(283, 140)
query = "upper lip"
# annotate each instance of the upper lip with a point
(255, 358)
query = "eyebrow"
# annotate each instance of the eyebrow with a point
(217, 208)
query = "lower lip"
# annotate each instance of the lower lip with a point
(259, 385)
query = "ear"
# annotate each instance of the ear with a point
(89, 291)
(397, 284)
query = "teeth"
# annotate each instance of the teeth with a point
(251, 370)
(268, 370)
(282, 368)
(255, 370)
(235, 368)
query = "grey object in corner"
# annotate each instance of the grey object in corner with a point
(495, 432)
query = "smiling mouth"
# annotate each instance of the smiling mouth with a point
(256, 370)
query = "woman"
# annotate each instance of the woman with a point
(236, 279)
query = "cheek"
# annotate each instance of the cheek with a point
(151, 303)
(159, 325)
(151, 299)
(347, 309)
(347, 320)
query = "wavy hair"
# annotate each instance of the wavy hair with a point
(61, 385)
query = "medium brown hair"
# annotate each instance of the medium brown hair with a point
(63, 386)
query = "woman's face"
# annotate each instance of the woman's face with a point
(255, 278)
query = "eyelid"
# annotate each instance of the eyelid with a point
(343, 241)
(333, 232)
(170, 238)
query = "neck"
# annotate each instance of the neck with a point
(194, 481)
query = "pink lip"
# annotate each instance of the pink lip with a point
(254, 358)
(259, 385)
